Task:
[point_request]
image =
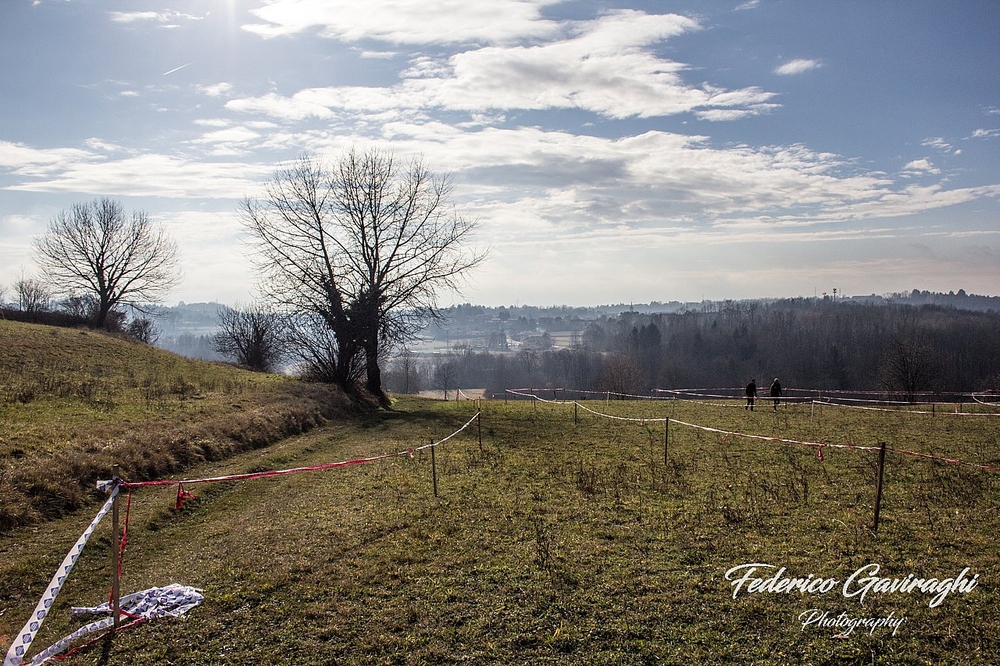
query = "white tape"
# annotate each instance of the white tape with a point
(19, 648)
(170, 601)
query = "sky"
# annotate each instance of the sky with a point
(610, 152)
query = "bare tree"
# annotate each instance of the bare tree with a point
(118, 258)
(292, 228)
(253, 336)
(908, 367)
(143, 330)
(403, 242)
(445, 374)
(32, 295)
(622, 374)
(365, 245)
(405, 372)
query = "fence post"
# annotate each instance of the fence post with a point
(115, 556)
(576, 412)
(434, 469)
(666, 438)
(479, 426)
(878, 484)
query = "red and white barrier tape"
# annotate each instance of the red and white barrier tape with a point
(19, 648)
(943, 412)
(819, 446)
(170, 601)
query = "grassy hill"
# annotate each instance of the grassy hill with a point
(556, 541)
(75, 402)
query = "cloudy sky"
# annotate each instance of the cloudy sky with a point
(611, 151)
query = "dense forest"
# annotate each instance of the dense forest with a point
(808, 343)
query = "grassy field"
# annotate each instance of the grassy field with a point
(74, 402)
(556, 542)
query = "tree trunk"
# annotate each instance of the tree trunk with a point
(374, 374)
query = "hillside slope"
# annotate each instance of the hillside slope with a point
(74, 402)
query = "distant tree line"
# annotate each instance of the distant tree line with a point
(807, 343)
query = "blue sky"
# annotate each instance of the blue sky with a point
(611, 151)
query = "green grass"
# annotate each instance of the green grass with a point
(555, 543)
(74, 402)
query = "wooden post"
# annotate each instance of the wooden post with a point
(434, 469)
(115, 556)
(576, 412)
(479, 426)
(666, 439)
(878, 484)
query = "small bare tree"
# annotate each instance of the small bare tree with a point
(142, 329)
(909, 366)
(119, 259)
(32, 295)
(253, 336)
(404, 375)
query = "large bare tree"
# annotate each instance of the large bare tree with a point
(366, 244)
(292, 227)
(403, 242)
(99, 250)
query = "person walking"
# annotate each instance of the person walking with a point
(751, 392)
(776, 392)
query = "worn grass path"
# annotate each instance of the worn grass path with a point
(557, 543)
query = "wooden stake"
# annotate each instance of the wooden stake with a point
(479, 426)
(666, 439)
(434, 469)
(878, 484)
(576, 413)
(115, 557)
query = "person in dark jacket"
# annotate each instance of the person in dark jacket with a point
(751, 392)
(776, 392)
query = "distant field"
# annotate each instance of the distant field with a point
(556, 542)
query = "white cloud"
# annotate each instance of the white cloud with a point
(798, 66)
(162, 176)
(297, 107)
(920, 166)
(216, 89)
(378, 55)
(156, 17)
(605, 66)
(37, 162)
(18, 223)
(405, 21)
(986, 134)
(937, 143)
